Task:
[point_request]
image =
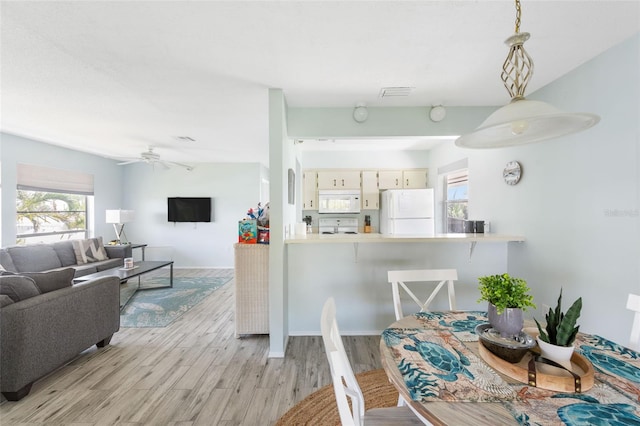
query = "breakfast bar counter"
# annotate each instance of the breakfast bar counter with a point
(379, 238)
(352, 268)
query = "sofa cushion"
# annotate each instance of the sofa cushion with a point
(85, 269)
(5, 300)
(34, 258)
(65, 252)
(52, 280)
(5, 260)
(91, 250)
(18, 287)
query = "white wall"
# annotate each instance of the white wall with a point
(364, 159)
(568, 190)
(107, 179)
(233, 187)
(282, 156)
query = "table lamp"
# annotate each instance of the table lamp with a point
(119, 218)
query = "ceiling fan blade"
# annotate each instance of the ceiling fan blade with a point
(186, 166)
(129, 162)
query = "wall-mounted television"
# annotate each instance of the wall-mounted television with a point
(189, 209)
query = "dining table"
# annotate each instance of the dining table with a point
(439, 367)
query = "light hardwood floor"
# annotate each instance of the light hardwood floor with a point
(193, 372)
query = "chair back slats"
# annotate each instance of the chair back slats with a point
(344, 380)
(399, 279)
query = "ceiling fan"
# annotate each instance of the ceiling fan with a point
(152, 158)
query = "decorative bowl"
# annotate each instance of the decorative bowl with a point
(511, 349)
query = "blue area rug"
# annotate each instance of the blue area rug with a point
(159, 308)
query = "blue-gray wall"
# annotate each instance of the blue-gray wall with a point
(578, 202)
(233, 187)
(108, 180)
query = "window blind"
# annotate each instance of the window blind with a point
(32, 177)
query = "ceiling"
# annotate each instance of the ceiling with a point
(113, 78)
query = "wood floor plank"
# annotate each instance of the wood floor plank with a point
(192, 372)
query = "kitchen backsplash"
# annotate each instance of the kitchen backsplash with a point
(374, 214)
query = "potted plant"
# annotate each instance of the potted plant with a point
(557, 337)
(508, 297)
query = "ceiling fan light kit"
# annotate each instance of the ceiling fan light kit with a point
(152, 158)
(523, 121)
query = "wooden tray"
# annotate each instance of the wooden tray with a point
(547, 376)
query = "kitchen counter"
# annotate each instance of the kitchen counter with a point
(379, 238)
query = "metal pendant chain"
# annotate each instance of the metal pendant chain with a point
(517, 69)
(518, 13)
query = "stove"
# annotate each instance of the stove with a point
(337, 225)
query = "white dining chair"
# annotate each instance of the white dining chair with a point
(399, 279)
(346, 386)
(633, 304)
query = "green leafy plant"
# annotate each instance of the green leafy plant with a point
(505, 291)
(561, 329)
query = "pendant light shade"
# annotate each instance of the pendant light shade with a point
(523, 121)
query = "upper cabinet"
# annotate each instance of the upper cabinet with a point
(389, 179)
(370, 194)
(398, 179)
(369, 182)
(414, 178)
(309, 190)
(339, 179)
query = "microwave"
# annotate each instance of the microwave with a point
(338, 201)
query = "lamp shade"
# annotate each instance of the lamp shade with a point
(119, 216)
(523, 121)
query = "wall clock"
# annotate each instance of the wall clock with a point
(512, 173)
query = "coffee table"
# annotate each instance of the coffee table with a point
(139, 269)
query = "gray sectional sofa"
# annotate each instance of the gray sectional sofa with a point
(64, 254)
(45, 319)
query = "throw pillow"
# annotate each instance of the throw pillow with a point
(52, 280)
(88, 251)
(5, 300)
(18, 287)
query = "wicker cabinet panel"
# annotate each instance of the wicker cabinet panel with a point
(252, 288)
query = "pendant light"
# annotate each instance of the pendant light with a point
(523, 121)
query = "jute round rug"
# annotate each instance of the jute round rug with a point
(320, 407)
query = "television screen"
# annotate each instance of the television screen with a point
(194, 209)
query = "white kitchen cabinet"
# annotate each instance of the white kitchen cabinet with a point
(414, 178)
(338, 179)
(397, 179)
(309, 190)
(370, 192)
(389, 179)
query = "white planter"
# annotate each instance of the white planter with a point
(560, 354)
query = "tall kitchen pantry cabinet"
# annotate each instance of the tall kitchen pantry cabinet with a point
(252, 288)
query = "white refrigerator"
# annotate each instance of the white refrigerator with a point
(407, 212)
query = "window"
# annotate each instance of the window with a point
(50, 216)
(52, 204)
(456, 200)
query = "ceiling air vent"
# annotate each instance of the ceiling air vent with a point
(392, 92)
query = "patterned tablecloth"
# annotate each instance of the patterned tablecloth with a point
(437, 365)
